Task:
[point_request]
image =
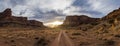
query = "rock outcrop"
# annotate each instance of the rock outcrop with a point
(35, 23)
(6, 14)
(109, 23)
(7, 19)
(78, 20)
(112, 17)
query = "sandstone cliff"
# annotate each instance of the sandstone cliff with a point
(112, 18)
(110, 22)
(79, 20)
(6, 19)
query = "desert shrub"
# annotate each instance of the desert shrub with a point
(94, 23)
(111, 21)
(105, 39)
(104, 25)
(117, 36)
(102, 32)
(84, 43)
(100, 38)
(41, 42)
(118, 17)
(97, 32)
(109, 42)
(13, 45)
(105, 31)
(36, 38)
(73, 37)
(66, 32)
(76, 33)
(83, 28)
(12, 40)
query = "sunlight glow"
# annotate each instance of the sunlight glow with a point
(54, 24)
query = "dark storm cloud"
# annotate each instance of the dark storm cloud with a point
(96, 8)
(10, 3)
(81, 3)
(47, 16)
(17, 2)
(93, 13)
(86, 8)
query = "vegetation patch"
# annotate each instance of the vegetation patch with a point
(77, 33)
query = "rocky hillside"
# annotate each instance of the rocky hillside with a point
(110, 22)
(84, 22)
(81, 22)
(105, 33)
(6, 19)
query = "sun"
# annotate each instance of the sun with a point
(57, 23)
(54, 24)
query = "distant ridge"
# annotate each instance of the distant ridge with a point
(79, 19)
(84, 22)
(6, 19)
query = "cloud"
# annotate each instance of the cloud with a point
(94, 8)
(104, 6)
(43, 10)
(51, 10)
(48, 16)
(51, 4)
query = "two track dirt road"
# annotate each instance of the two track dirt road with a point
(62, 40)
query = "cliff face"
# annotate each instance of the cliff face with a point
(84, 22)
(78, 20)
(7, 19)
(6, 14)
(112, 17)
(35, 23)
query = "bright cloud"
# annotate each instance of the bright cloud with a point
(50, 4)
(103, 6)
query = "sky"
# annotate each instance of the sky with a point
(48, 11)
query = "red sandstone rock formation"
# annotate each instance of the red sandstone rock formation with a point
(78, 20)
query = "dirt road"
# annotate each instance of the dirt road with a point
(62, 40)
